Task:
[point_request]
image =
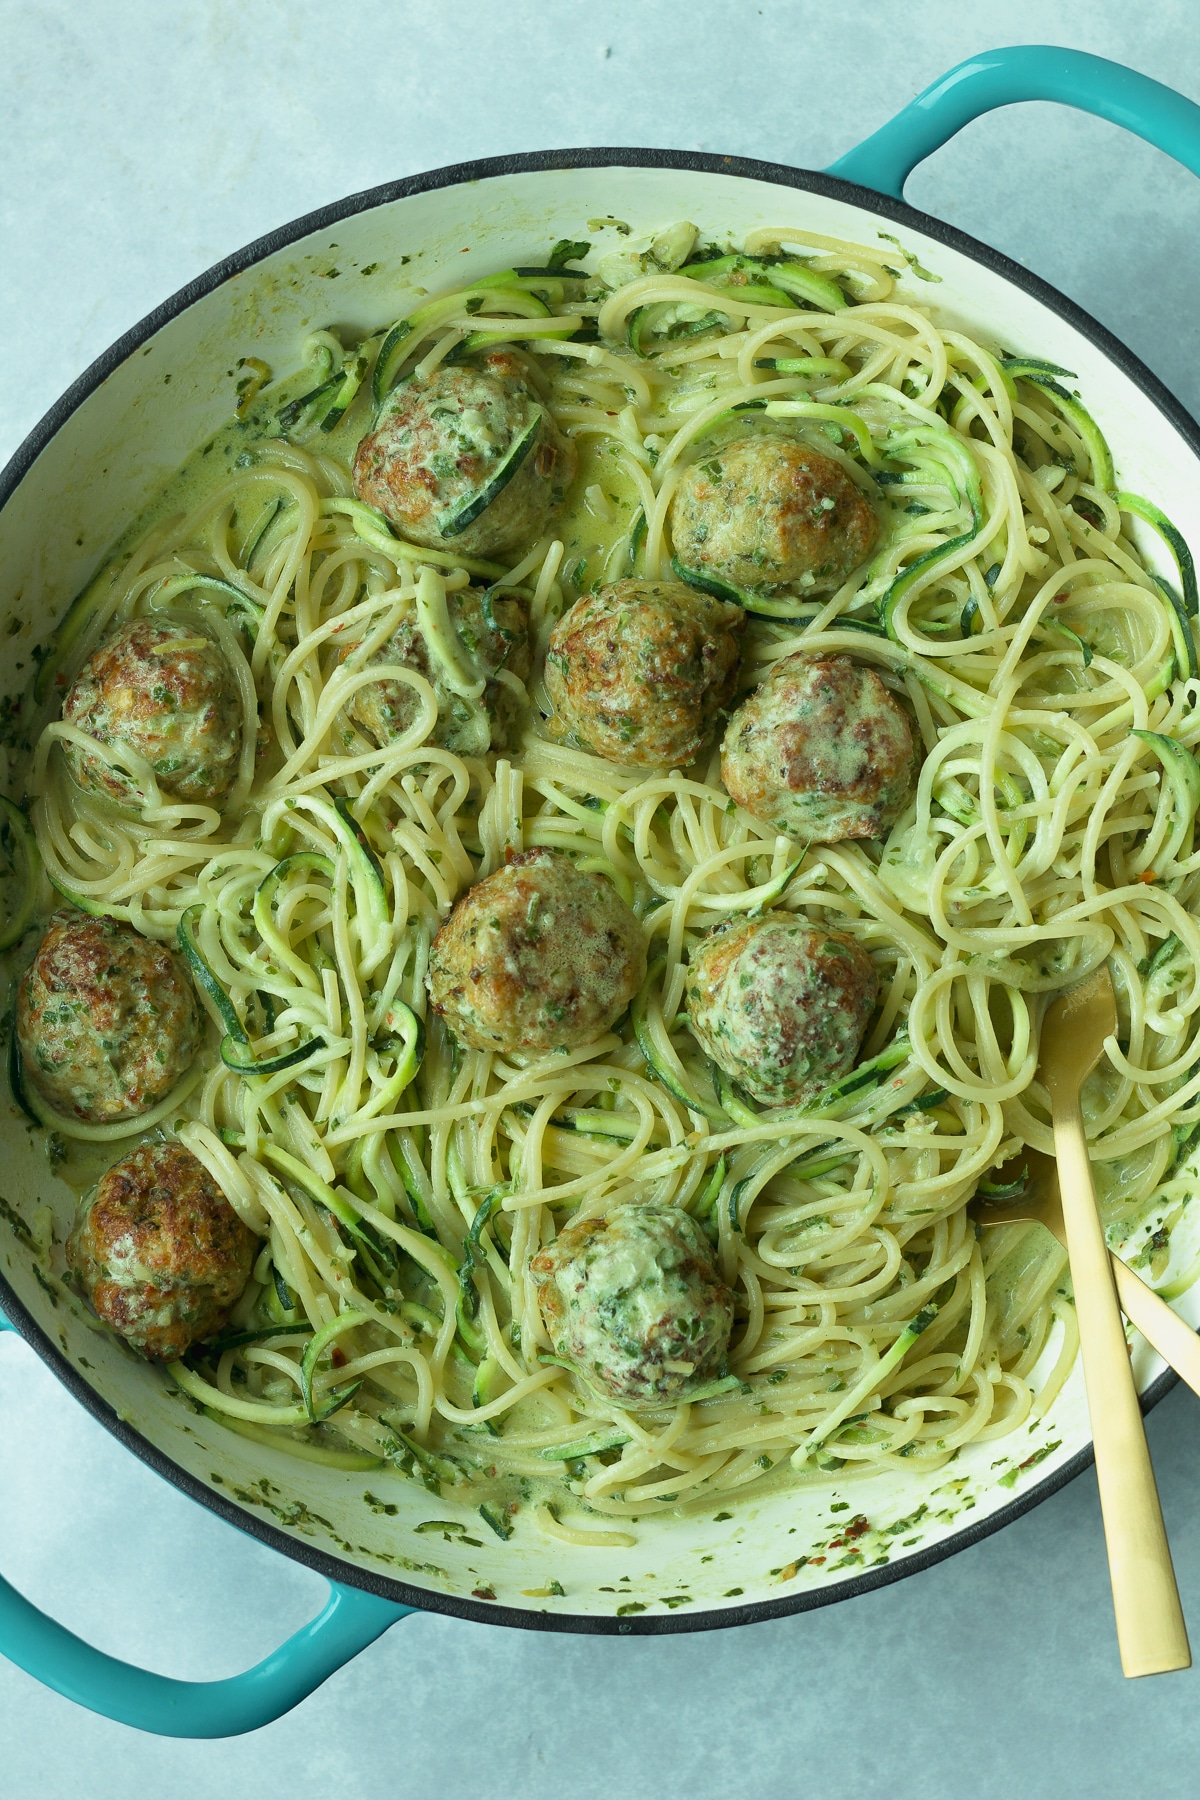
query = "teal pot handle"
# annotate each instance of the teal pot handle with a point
(886, 159)
(54, 1656)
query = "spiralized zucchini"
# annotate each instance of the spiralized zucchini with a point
(402, 1184)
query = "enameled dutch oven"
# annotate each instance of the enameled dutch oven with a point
(91, 465)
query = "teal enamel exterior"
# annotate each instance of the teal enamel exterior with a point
(349, 1621)
(352, 1619)
(886, 159)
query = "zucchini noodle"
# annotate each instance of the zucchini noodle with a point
(402, 1184)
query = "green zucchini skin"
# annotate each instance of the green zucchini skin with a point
(763, 605)
(785, 279)
(206, 980)
(1181, 772)
(314, 1350)
(251, 548)
(235, 1339)
(476, 1257)
(290, 415)
(1043, 375)
(236, 1051)
(654, 1061)
(518, 301)
(16, 1077)
(492, 1517)
(360, 846)
(933, 448)
(1003, 1190)
(643, 329)
(1182, 634)
(453, 524)
(387, 362)
(15, 827)
(559, 274)
(236, 1056)
(1176, 544)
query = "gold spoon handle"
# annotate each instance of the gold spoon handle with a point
(1150, 1628)
(1158, 1323)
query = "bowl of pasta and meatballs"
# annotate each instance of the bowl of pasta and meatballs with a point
(538, 834)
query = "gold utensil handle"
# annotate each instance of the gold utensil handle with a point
(1162, 1327)
(1150, 1628)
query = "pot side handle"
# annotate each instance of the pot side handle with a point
(886, 159)
(349, 1621)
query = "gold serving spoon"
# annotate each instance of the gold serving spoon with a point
(1039, 1203)
(1150, 1630)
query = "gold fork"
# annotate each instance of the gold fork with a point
(1150, 1630)
(1039, 1203)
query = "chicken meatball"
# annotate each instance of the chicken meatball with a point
(635, 1303)
(781, 1006)
(495, 633)
(820, 750)
(539, 956)
(107, 1020)
(468, 457)
(159, 1252)
(766, 512)
(640, 671)
(166, 691)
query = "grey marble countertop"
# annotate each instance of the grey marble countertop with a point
(141, 143)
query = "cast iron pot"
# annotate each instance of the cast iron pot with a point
(92, 463)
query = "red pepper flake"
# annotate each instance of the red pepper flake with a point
(337, 1357)
(1148, 876)
(483, 1593)
(857, 1526)
(817, 1560)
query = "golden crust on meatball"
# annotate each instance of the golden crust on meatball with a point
(780, 1005)
(640, 671)
(107, 1020)
(634, 1302)
(765, 512)
(538, 956)
(820, 750)
(166, 691)
(468, 459)
(159, 1252)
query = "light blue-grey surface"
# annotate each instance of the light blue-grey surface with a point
(142, 142)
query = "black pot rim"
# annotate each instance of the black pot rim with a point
(334, 1568)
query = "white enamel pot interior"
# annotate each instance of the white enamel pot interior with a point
(91, 466)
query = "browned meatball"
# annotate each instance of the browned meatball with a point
(166, 691)
(159, 1252)
(765, 512)
(820, 750)
(635, 1303)
(781, 1005)
(107, 1020)
(494, 630)
(536, 957)
(468, 458)
(640, 671)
